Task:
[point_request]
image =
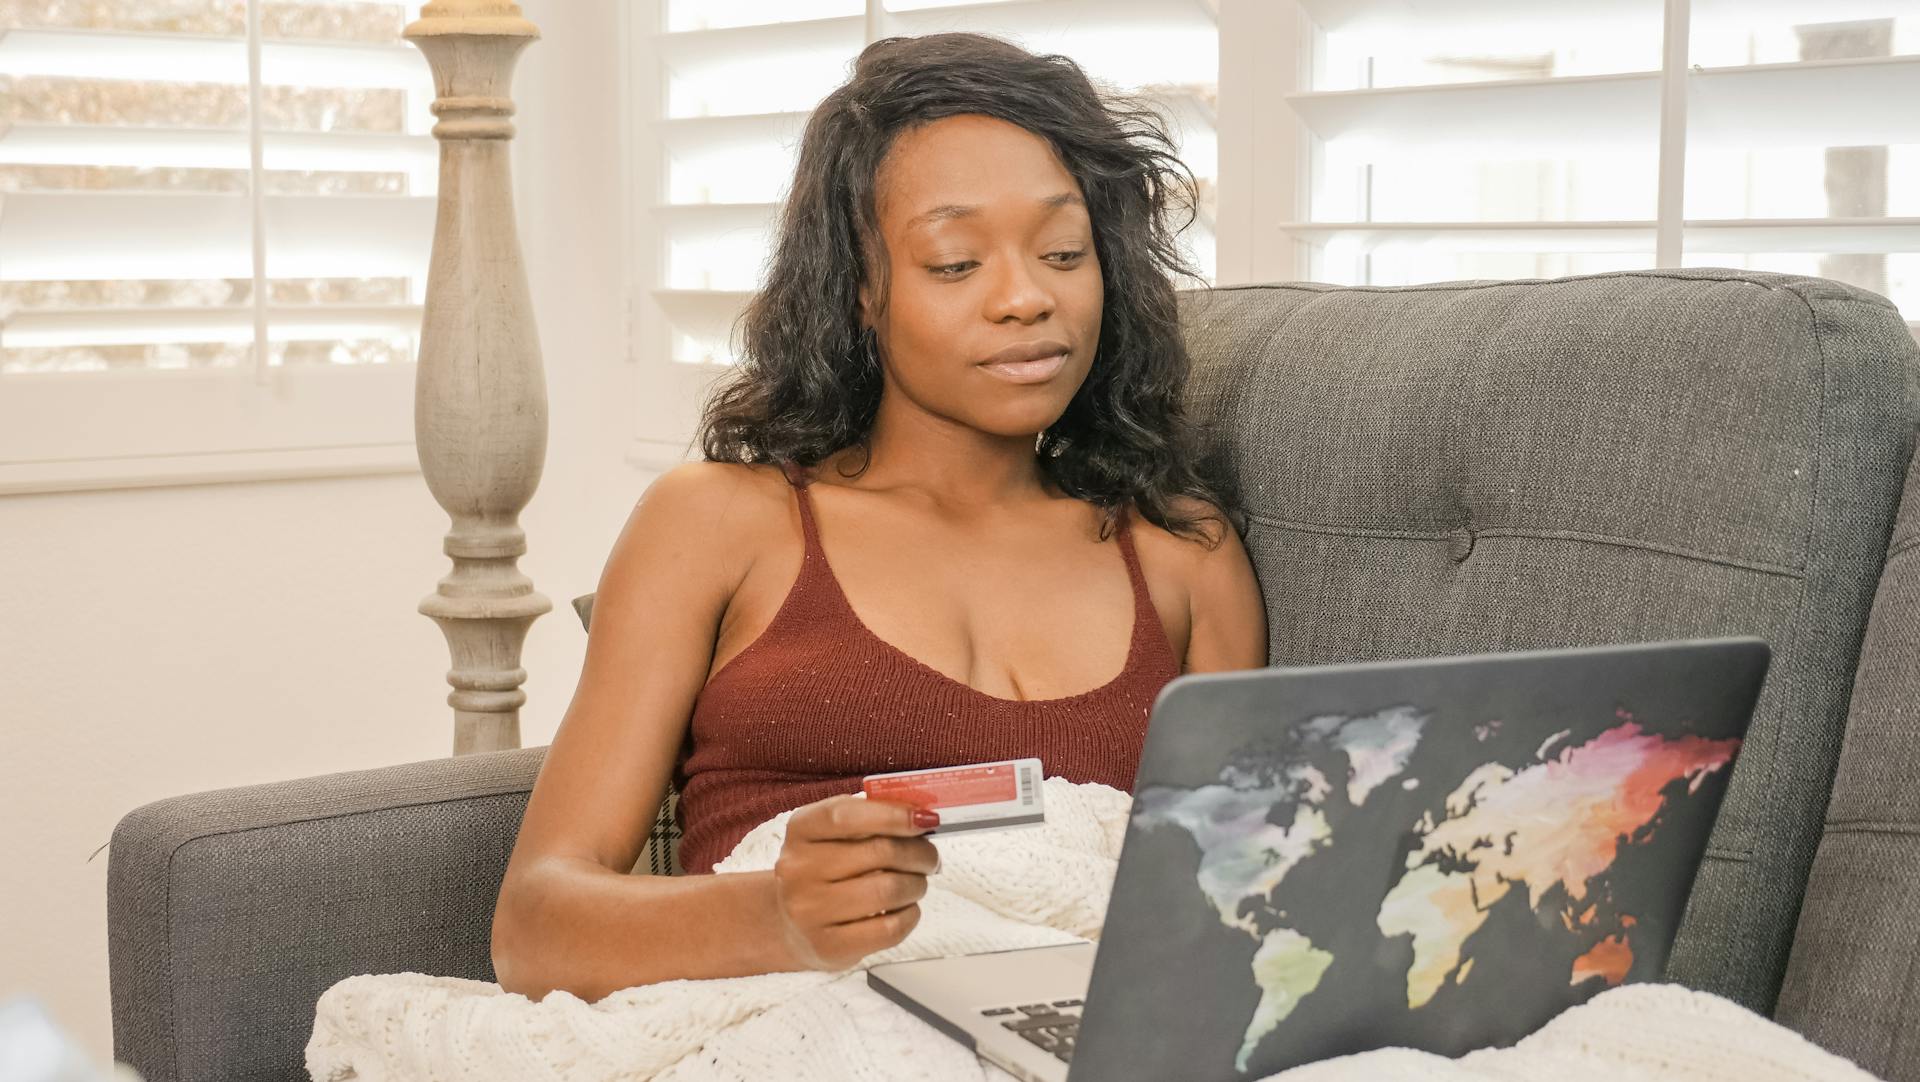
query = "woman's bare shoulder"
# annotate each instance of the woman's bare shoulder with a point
(1182, 548)
(726, 497)
(1225, 612)
(706, 481)
(718, 516)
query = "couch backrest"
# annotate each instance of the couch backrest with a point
(1478, 466)
(1853, 984)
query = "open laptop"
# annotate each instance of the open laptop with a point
(1438, 854)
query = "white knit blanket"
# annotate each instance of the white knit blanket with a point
(994, 891)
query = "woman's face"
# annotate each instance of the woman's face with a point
(989, 249)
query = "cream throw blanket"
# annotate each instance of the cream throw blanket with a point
(994, 891)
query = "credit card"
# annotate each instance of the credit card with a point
(984, 796)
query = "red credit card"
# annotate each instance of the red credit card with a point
(985, 784)
(975, 797)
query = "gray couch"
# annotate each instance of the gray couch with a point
(1428, 470)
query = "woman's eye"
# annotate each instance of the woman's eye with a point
(950, 270)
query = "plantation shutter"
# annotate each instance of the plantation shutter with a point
(215, 220)
(1538, 138)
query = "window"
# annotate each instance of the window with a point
(721, 91)
(215, 220)
(1539, 138)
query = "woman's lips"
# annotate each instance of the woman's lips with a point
(1029, 371)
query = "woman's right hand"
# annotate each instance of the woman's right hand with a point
(850, 877)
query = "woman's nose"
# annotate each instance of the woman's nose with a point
(1017, 293)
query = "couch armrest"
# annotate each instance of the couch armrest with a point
(230, 912)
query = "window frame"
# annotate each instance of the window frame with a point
(86, 431)
(1273, 164)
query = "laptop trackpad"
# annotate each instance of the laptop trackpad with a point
(988, 980)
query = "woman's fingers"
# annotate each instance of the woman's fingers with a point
(874, 894)
(844, 818)
(856, 939)
(838, 860)
(857, 899)
(850, 877)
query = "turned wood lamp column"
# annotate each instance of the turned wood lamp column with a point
(480, 399)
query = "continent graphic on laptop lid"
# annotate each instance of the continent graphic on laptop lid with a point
(1435, 856)
(1549, 828)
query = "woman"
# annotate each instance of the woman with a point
(959, 395)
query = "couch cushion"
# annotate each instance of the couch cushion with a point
(230, 912)
(1853, 983)
(1478, 466)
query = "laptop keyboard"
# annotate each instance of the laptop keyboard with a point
(1050, 1026)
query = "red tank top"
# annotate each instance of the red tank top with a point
(818, 701)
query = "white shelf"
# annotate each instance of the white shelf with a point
(82, 235)
(1481, 236)
(750, 35)
(717, 298)
(1812, 103)
(963, 7)
(746, 16)
(206, 58)
(216, 467)
(1359, 16)
(716, 219)
(705, 313)
(698, 55)
(1866, 102)
(83, 420)
(1822, 235)
(754, 69)
(1121, 42)
(1031, 16)
(215, 148)
(149, 324)
(1543, 117)
(1210, 8)
(700, 134)
(691, 50)
(1465, 17)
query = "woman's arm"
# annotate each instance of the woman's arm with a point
(1227, 614)
(569, 916)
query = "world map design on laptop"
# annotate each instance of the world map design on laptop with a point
(1551, 827)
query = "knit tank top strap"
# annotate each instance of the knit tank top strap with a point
(797, 477)
(1124, 534)
(1149, 634)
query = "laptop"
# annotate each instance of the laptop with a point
(1439, 854)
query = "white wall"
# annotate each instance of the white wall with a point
(162, 641)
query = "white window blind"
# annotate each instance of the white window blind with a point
(723, 89)
(1524, 138)
(215, 221)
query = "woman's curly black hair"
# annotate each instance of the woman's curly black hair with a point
(805, 387)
